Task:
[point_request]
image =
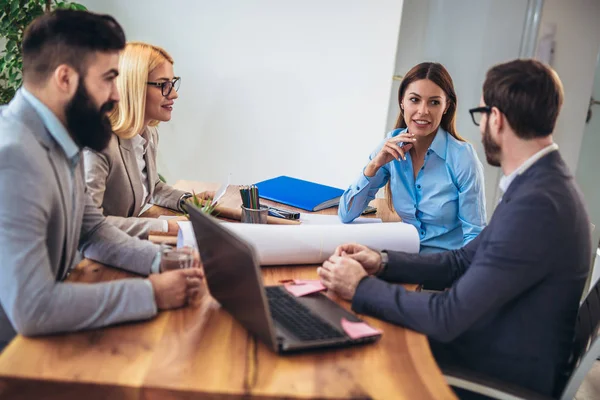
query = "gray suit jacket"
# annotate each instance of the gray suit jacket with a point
(41, 227)
(114, 182)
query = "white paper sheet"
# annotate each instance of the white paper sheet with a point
(312, 244)
(220, 193)
(320, 219)
(167, 217)
(186, 236)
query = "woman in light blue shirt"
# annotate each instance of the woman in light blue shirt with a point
(434, 178)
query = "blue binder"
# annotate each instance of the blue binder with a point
(301, 194)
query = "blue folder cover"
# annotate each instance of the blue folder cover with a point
(297, 193)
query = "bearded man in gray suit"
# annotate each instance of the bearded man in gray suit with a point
(70, 62)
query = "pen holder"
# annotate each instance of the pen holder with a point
(252, 216)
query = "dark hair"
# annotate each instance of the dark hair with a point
(436, 73)
(67, 37)
(528, 93)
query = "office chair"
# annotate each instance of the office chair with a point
(586, 349)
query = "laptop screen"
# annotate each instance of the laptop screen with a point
(233, 274)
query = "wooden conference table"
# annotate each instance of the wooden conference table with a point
(202, 352)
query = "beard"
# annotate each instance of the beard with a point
(88, 125)
(491, 148)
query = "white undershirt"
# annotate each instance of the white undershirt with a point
(506, 180)
(140, 146)
(139, 149)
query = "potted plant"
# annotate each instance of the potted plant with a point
(15, 15)
(205, 206)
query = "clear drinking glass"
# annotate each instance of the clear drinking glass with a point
(175, 258)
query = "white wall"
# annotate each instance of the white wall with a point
(575, 60)
(588, 167)
(575, 57)
(270, 87)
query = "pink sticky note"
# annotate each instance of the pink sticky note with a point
(302, 287)
(307, 281)
(357, 330)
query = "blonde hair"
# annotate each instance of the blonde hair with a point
(136, 62)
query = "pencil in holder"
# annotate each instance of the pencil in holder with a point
(255, 216)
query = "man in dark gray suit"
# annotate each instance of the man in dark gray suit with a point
(514, 290)
(70, 61)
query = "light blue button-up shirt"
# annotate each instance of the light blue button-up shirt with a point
(446, 201)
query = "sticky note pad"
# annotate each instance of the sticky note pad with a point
(308, 282)
(302, 287)
(357, 330)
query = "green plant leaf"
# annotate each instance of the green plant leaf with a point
(75, 6)
(206, 207)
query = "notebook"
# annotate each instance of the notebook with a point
(298, 193)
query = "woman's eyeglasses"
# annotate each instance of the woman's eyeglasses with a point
(167, 86)
(477, 113)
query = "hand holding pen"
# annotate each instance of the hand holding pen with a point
(393, 149)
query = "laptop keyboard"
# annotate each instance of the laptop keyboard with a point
(297, 318)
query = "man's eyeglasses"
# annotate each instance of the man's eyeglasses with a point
(477, 113)
(167, 86)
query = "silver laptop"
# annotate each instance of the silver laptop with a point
(284, 322)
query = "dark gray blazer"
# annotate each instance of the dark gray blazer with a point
(514, 290)
(42, 224)
(114, 182)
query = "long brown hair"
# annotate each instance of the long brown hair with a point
(436, 73)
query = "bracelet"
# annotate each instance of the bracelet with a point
(183, 199)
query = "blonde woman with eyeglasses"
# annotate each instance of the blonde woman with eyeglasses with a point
(122, 179)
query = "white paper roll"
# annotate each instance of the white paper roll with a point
(313, 244)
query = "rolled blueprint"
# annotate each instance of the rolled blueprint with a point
(313, 244)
